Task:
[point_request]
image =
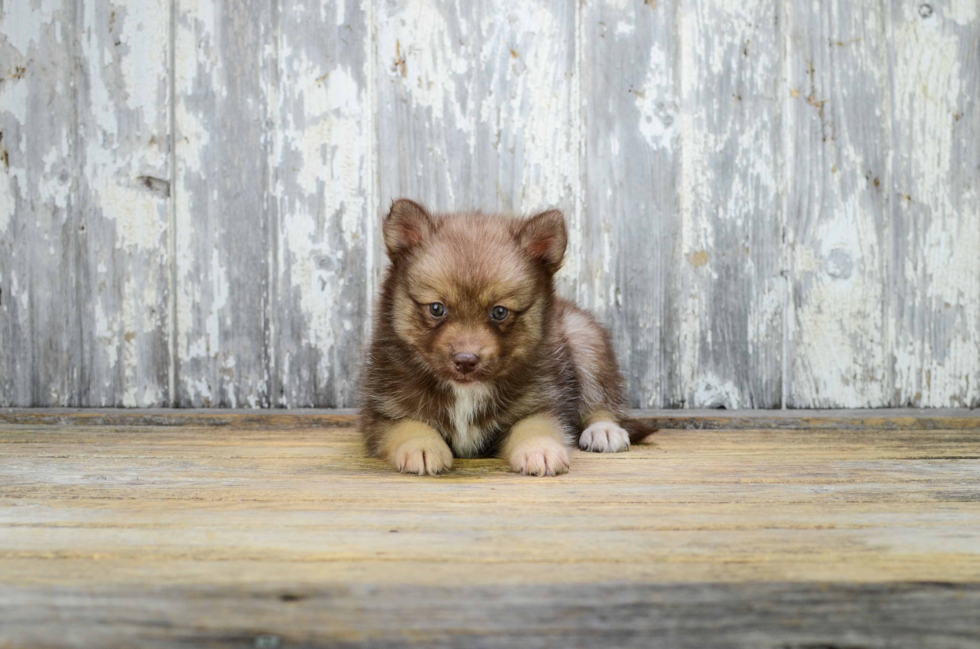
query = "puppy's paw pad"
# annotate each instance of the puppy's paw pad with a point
(541, 458)
(423, 458)
(604, 437)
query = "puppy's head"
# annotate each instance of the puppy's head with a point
(470, 290)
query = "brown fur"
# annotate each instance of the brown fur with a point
(547, 358)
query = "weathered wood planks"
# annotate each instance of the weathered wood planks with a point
(770, 204)
(477, 104)
(325, 193)
(696, 616)
(629, 262)
(837, 222)
(222, 208)
(935, 203)
(123, 106)
(40, 319)
(731, 230)
(156, 535)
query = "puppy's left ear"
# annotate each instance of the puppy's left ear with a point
(543, 237)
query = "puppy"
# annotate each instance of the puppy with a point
(474, 354)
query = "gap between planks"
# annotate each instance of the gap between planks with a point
(878, 419)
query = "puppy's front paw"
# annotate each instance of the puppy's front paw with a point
(604, 437)
(540, 456)
(423, 456)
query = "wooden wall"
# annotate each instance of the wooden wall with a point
(772, 203)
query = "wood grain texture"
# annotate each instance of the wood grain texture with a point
(732, 290)
(477, 105)
(40, 324)
(123, 174)
(630, 245)
(221, 202)
(695, 616)
(157, 535)
(933, 309)
(324, 188)
(838, 128)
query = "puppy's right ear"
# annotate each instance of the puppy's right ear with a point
(407, 225)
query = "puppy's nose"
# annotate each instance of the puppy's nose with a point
(466, 362)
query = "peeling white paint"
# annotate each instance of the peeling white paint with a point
(658, 123)
(196, 342)
(490, 112)
(963, 12)
(147, 44)
(13, 103)
(8, 201)
(550, 170)
(415, 45)
(711, 391)
(22, 22)
(137, 214)
(624, 28)
(728, 197)
(937, 353)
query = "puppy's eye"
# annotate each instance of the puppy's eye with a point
(437, 309)
(499, 313)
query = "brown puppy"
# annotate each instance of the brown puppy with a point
(474, 354)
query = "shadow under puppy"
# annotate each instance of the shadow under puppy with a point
(474, 354)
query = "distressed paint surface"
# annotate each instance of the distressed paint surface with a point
(838, 145)
(123, 171)
(630, 232)
(40, 325)
(478, 105)
(222, 58)
(934, 274)
(770, 204)
(323, 188)
(732, 292)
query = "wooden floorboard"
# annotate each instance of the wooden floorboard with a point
(274, 529)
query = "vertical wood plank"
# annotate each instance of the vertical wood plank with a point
(732, 290)
(124, 192)
(630, 234)
(478, 105)
(838, 143)
(40, 346)
(935, 203)
(222, 217)
(324, 190)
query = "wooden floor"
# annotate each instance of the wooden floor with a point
(230, 529)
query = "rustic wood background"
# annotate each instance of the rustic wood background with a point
(772, 203)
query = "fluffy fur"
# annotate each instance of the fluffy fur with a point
(547, 376)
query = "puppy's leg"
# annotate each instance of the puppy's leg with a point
(603, 434)
(536, 445)
(412, 446)
(602, 399)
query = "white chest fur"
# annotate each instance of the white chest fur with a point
(470, 400)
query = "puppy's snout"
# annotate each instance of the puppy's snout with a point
(466, 362)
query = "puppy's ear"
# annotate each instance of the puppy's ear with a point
(406, 226)
(543, 237)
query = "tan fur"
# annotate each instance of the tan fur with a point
(536, 446)
(600, 415)
(414, 447)
(544, 371)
